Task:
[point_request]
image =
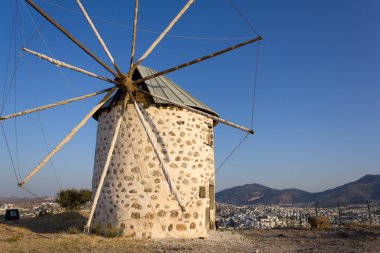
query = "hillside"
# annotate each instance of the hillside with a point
(366, 188)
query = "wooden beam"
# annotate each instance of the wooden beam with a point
(156, 151)
(65, 65)
(68, 35)
(68, 137)
(186, 64)
(161, 36)
(89, 21)
(44, 107)
(217, 119)
(134, 36)
(105, 167)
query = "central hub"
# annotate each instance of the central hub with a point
(125, 82)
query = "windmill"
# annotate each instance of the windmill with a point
(154, 160)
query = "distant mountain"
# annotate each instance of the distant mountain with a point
(366, 188)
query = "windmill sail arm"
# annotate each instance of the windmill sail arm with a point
(44, 107)
(134, 36)
(105, 168)
(186, 64)
(68, 35)
(163, 168)
(161, 36)
(67, 137)
(217, 119)
(65, 65)
(89, 21)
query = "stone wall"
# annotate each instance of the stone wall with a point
(135, 195)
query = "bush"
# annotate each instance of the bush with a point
(74, 230)
(14, 238)
(319, 222)
(73, 199)
(109, 231)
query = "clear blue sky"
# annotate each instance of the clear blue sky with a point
(317, 115)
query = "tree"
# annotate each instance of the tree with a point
(73, 199)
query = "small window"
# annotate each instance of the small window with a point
(212, 196)
(209, 136)
(210, 140)
(202, 192)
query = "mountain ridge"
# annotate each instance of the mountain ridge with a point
(363, 189)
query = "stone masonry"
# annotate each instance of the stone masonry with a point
(135, 195)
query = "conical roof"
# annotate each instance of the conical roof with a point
(161, 86)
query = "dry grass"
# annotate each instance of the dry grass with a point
(63, 233)
(353, 225)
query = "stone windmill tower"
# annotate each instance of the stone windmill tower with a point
(136, 195)
(154, 158)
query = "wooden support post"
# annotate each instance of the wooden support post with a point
(316, 209)
(67, 137)
(300, 218)
(105, 168)
(197, 60)
(339, 215)
(369, 212)
(156, 151)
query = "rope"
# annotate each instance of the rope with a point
(219, 167)
(147, 30)
(67, 81)
(216, 171)
(8, 58)
(15, 94)
(48, 150)
(240, 13)
(6, 92)
(9, 152)
(38, 28)
(32, 193)
(150, 179)
(37, 114)
(18, 60)
(188, 37)
(255, 83)
(249, 24)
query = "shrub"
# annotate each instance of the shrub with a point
(73, 199)
(74, 230)
(13, 239)
(109, 231)
(319, 222)
(112, 232)
(96, 229)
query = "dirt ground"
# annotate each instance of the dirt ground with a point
(60, 233)
(353, 239)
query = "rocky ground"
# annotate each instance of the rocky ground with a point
(61, 233)
(352, 239)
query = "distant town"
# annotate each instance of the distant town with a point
(246, 217)
(274, 216)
